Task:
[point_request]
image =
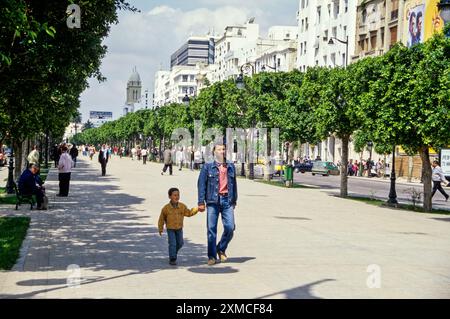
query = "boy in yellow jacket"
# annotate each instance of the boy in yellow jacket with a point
(172, 215)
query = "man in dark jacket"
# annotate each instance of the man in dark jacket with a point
(28, 185)
(217, 188)
(103, 158)
(74, 154)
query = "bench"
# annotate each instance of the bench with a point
(23, 199)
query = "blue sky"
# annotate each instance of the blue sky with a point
(147, 39)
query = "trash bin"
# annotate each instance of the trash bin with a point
(289, 172)
(289, 175)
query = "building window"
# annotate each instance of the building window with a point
(304, 47)
(373, 42)
(318, 15)
(336, 9)
(303, 25)
(393, 36)
(303, 4)
(364, 16)
(334, 32)
(345, 31)
(192, 78)
(325, 60)
(185, 78)
(346, 5)
(306, 24)
(279, 62)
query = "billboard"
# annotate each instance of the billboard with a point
(445, 161)
(421, 21)
(95, 115)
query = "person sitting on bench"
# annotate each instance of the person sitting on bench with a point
(28, 187)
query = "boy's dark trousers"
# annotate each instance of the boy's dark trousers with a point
(165, 168)
(144, 158)
(175, 242)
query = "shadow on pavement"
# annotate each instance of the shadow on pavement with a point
(302, 292)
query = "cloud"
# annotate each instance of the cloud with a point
(147, 39)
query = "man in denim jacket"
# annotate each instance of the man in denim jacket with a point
(217, 188)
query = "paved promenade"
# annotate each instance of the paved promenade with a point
(289, 243)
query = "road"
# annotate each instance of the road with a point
(370, 187)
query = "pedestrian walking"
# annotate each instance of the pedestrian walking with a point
(180, 158)
(438, 177)
(91, 151)
(65, 165)
(217, 189)
(103, 157)
(144, 154)
(172, 215)
(168, 162)
(74, 154)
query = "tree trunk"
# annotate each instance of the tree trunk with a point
(344, 178)
(426, 169)
(410, 168)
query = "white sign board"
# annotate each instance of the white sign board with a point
(445, 161)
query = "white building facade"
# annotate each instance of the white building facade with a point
(326, 37)
(318, 22)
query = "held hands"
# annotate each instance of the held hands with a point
(201, 208)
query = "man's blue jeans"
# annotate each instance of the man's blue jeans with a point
(175, 242)
(227, 211)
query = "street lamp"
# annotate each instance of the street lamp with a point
(186, 100)
(10, 183)
(392, 193)
(245, 68)
(270, 67)
(346, 47)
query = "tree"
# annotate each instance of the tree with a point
(409, 103)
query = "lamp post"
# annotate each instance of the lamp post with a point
(186, 100)
(10, 183)
(270, 67)
(346, 47)
(245, 68)
(392, 193)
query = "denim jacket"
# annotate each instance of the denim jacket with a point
(208, 184)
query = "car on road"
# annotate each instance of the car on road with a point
(303, 167)
(324, 168)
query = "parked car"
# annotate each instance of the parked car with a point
(303, 167)
(324, 168)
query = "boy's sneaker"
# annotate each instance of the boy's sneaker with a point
(173, 262)
(211, 261)
(223, 258)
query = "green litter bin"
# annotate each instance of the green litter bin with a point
(289, 175)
